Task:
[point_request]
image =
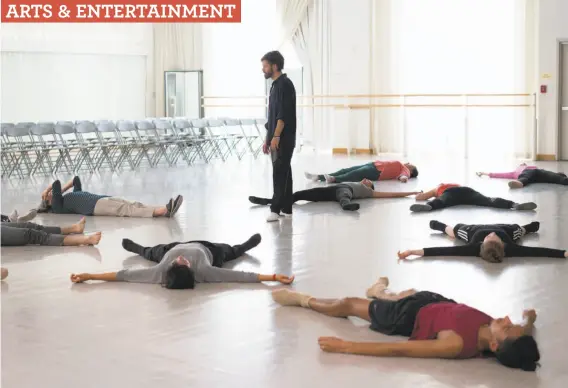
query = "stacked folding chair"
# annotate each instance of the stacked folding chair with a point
(48, 148)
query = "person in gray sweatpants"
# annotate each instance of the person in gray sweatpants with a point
(28, 233)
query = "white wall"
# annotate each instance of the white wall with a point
(231, 59)
(350, 70)
(76, 71)
(552, 26)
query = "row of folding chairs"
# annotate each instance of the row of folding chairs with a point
(50, 148)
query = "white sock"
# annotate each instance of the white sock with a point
(14, 216)
(329, 178)
(312, 177)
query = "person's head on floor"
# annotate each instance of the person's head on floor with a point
(368, 183)
(511, 346)
(492, 248)
(180, 275)
(413, 170)
(272, 64)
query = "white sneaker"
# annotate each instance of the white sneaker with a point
(312, 177)
(272, 217)
(286, 215)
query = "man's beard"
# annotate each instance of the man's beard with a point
(268, 75)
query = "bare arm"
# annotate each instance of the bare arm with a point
(279, 128)
(427, 195)
(83, 277)
(378, 194)
(438, 348)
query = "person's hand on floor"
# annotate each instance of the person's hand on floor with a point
(285, 279)
(80, 278)
(333, 344)
(404, 255)
(403, 179)
(480, 174)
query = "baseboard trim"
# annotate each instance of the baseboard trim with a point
(345, 151)
(546, 157)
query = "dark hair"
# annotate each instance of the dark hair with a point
(492, 251)
(521, 353)
(274, 58)
(413, 171)
(179, 277)
(372, 186)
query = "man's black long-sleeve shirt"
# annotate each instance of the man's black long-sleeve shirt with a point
(282, 106)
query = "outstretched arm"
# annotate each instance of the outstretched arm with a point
(459, 250)
(427, 195)
(523, 251)
(83, 277)
(224, 275)
(446, 348)
(379, 194)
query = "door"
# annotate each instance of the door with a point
(563, 114)
(183, 94)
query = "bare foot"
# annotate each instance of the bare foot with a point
(79, 227)
(380, 286)
(4, 274)
(94, 238)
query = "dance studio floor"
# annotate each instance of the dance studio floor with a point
(55, 334)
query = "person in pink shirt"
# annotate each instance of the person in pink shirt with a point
(438, 327)
(525, 175)
(374, 171)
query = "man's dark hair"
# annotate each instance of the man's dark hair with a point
(521, 353)
(274, 58)
(413, 172)
(179, 277)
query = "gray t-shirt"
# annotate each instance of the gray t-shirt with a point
(201, 261)
(359, 190)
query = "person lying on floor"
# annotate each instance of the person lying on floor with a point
(450, 194)
(491, 242)
(181, 265)
(525, 175)
(438, 327)
(17, 234)
(343, 193)
(89, 204)
(374, 171)
(15, 217)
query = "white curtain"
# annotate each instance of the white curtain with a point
(177, 46)
(310, 39)
(466, 47)
(289, 14)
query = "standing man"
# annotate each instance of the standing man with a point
(281, 133)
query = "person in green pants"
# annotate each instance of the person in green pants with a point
(374, 171)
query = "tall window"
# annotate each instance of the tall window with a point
(464, 46)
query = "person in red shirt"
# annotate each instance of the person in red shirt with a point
(438, 327)
(451, 194)
(374, 171)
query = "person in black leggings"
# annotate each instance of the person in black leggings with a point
(538, 175)
(222, 253)
(448, 195)
(343, 193)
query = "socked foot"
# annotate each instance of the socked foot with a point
(259, 201)
(420, 207)
(377, 288)
(290, 298)
(516, 185)
(524, 206)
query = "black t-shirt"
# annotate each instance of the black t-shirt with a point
(282, 106)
